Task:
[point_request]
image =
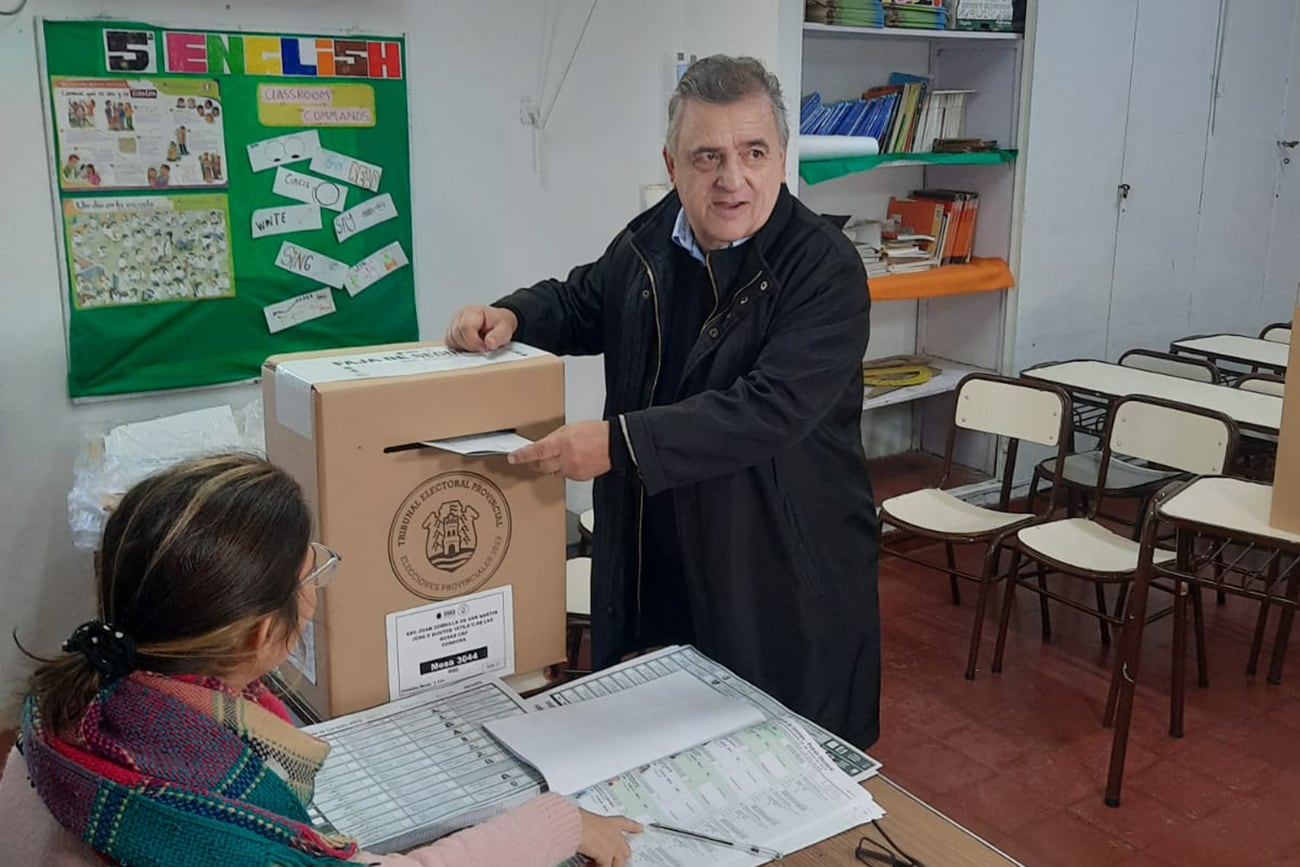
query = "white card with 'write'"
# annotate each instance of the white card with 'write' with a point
(360, 217)
(375, 266)
(284, 219)
(283, 149)
(311, 264)
(342, 167)
(312, 191)
(296, 311)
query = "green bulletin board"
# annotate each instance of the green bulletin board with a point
(189, 256)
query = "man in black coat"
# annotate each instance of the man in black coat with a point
(733, 508)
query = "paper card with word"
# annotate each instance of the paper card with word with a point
(312, 191)
(295, 311)
(283, 149)
(284, 219)
(360, 217)
(311, 264)
(345, 168)
(374, 267)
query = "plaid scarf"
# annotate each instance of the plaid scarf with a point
(178, 771)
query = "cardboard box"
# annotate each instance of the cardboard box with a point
(1285, 512)
(413, 524)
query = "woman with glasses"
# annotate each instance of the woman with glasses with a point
(152, 740)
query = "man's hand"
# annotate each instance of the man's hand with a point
(578, 451)
(481, 329)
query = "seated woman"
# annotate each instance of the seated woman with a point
(153, 741)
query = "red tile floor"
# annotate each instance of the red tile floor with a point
(1020, 757)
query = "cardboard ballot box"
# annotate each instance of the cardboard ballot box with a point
(451, 564)
(1285, 512)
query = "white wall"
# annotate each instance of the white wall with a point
(484, 221)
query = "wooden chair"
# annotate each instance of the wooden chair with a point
(577, 606)
(586, 529)
(1151, 360)
(1212, 514)
(1204, 444)
(1262, 383)
(1128, 479)
(1012, 408)
(1278, 332)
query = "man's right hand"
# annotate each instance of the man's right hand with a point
(481, 329)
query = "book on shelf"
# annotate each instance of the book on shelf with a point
(845, 13)
(943, 118)
(866, 117)
(998, 16)
(903, 116)
(964, 145)
(867, 238)
(916, 14)
(963, 208)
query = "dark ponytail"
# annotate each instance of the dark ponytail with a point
(191, 560)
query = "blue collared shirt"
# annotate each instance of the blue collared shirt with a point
(685, 238)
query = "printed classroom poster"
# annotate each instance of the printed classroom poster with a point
(223, 197)
(146, 249)
(141, 134)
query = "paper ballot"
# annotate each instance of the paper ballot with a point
(481, 445)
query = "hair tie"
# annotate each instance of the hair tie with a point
(110, 650)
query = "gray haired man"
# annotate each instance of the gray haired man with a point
(733, 508)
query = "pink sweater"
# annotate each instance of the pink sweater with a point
(542, 832)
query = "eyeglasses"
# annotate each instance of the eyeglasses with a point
(874, 852)
(324, 561)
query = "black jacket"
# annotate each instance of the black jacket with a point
(762, 452)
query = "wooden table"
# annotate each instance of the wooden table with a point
(1236, 349)
(1102, 380)
(921, 831)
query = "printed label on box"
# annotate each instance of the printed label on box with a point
(449, 641)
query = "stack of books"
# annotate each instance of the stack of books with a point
(847, 13)
(853, 117)
(868, 240)
(906, 252)
(890, 114)
(916, 14)
(949, 216)
(943, 117)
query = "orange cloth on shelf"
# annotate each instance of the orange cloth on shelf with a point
(979, 275)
